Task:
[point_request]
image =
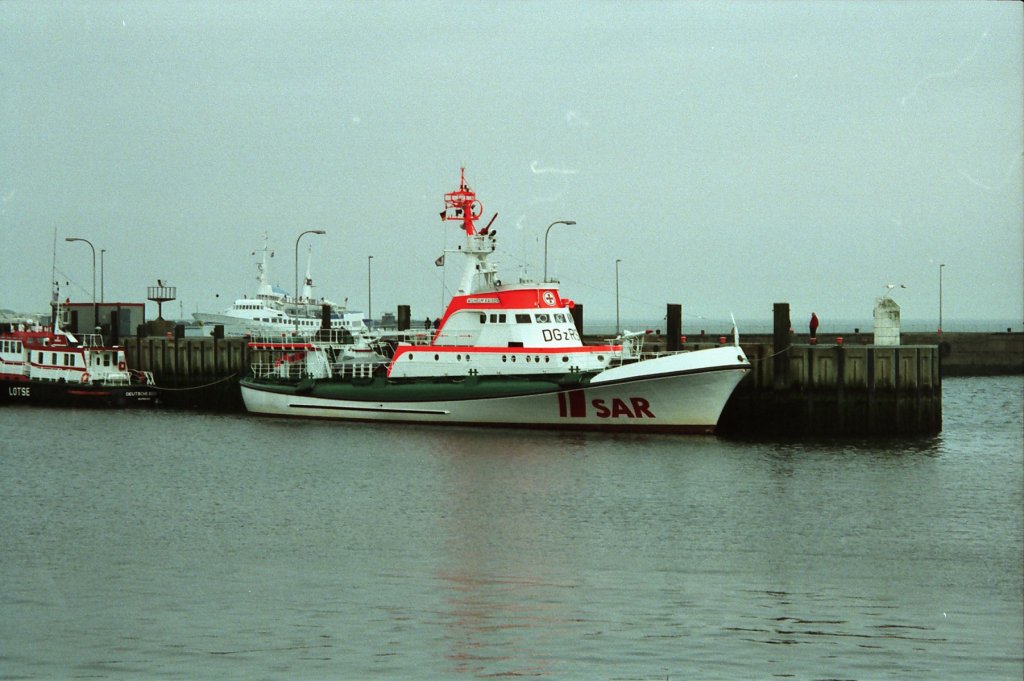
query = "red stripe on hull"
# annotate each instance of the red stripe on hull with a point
(577, 403)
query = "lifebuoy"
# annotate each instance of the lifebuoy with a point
(85, 377)
(121, 366)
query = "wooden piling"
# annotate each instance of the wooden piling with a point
(781, 341)
(673, 327)
(577, 317)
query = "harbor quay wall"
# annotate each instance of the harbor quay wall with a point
(977, 354)
(837, 390)
(962, 353)
(193, 373)
(824, 389)
(830, 388)
(845, 385)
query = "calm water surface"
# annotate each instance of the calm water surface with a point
(162, 545)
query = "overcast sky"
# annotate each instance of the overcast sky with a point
(732, 155)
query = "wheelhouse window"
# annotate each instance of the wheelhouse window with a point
(522, 319)
(559, 317)
(543, 318)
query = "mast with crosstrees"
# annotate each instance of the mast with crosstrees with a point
(462, 206)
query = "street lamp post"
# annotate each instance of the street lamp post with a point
(940, 297)
(617, 261)
(369, 287)
(557, 222)
(95, 309)
(308, 231)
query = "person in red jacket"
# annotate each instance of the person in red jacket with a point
(814, 328)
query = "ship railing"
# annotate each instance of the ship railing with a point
(320, 336)
(295, 371)
(632, 343)
(360, 369)
(143, 377)
(124, 378)
(56, 375)
(114, 378)
(281, 337)
(633, 349)
(282, 371)
(90, 340)
(408, 337)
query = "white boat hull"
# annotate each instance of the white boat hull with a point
(674, 394)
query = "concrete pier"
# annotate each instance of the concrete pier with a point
(843, 384)
(837, 390)
(823, 389)
(193, 373)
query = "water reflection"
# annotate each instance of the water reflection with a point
(506, 569)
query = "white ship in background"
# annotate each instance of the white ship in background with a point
(271, 312)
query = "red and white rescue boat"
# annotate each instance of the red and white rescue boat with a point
(49, 366)
(502, 355)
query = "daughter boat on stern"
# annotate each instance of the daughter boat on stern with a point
(502, 355)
